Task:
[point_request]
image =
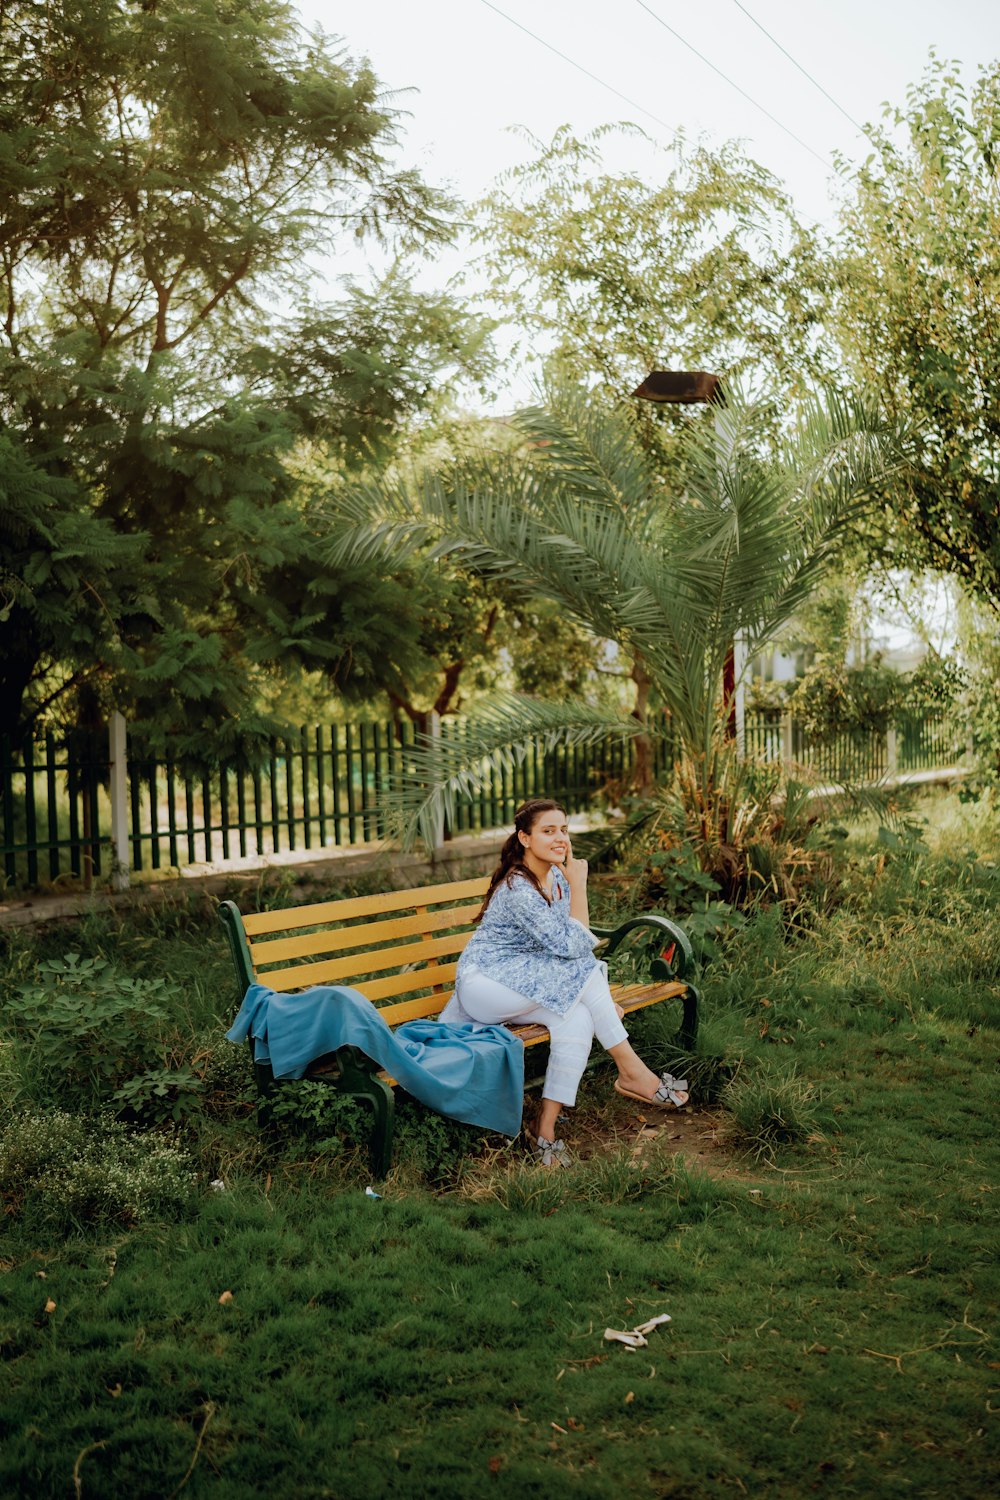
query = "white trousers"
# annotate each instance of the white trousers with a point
(592, 1014)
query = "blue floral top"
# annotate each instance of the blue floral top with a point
(531, 945)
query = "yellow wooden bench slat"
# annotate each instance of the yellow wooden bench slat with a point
(352, 907)
(409, 982)
(363, 935)
(375, 961)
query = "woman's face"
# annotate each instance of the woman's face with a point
(548, 840)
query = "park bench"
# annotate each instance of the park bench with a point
(400, 949)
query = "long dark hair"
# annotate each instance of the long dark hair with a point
(511, 860)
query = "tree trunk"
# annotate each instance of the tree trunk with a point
(18, 664)
(642, 748)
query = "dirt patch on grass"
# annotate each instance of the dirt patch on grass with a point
(693, 1135)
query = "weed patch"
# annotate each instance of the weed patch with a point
(63, 1173)
(768, 1108)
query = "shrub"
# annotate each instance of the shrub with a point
(226, 1074)
(430, 1144)
(726, 838)
(68, 1172)
(160, 1095)
(81, 1028)
(833, 699)
(305, 1110)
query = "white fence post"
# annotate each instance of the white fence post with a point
(117, 755)
(786, 738)
(891, 753)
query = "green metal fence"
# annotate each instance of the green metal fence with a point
(322, 788)
(923, 744)
(53, 808)
(845, 759)
(313, 789)
(914, 744)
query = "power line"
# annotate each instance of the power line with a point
(725, 76)
(849, 118)
(632, 103)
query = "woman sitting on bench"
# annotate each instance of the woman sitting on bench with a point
(531, 960)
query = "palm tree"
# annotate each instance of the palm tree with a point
(579, 513)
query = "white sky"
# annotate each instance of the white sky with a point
(475, 73)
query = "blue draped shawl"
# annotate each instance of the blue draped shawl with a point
(469, 1073)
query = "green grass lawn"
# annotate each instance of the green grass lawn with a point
(833, 1302)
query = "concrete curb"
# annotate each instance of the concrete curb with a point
(464, 857)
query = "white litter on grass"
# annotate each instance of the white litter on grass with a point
(630, 1340)
(634, 1338)
(653, 1323)
(217, 1185)
(371, 1193)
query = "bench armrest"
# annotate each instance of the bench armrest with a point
(674, 966)
(232, 920)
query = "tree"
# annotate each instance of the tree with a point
(434, 636)
(918, 313)
(583, 517)
(605, 276)
(171, 169)
(698, 262)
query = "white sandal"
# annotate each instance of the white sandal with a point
(551, 1153)
(671, 1092)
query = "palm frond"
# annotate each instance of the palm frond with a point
(593, 452)
(581, 516)
(377, 523)
(496, 738)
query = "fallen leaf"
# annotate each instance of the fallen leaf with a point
(225, 1299)
(114, 1390)
(496, 1463)
(574, 1425)
(50, 1306)
(629, 1397)
(559, 1429)
(42, 1275)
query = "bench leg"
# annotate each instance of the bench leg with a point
(359, 1082)
(687, 1036)
(383, 1102)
